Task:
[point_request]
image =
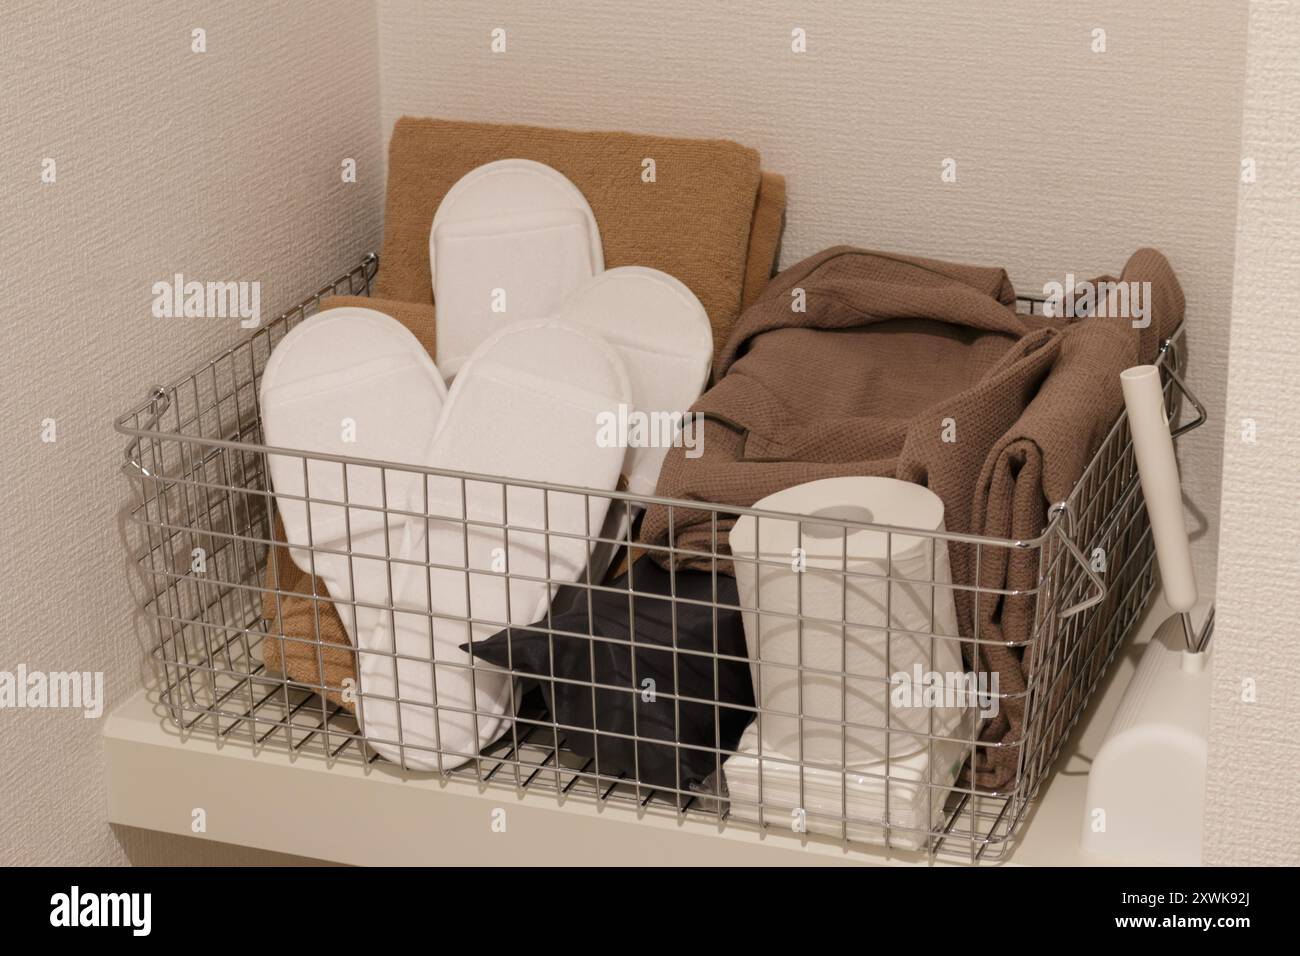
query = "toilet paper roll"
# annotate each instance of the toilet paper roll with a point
(868, 628)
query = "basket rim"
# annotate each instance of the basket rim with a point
(1059, 512)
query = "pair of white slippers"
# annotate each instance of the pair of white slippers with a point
(418, 564)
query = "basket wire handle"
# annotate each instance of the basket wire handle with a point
(160, 401)
(1065, 529)
(1170, 368)
(1201, 415)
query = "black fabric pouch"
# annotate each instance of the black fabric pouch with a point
(649, 674)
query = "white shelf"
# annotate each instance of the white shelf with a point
(349, 812)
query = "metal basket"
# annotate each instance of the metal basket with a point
(199, 468)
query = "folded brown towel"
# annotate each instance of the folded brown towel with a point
(764, 247)
(294, 617)
(861, 383)
(710, 218)
(1037, 463)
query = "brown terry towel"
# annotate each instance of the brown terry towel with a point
(293, 617)
(764, 246)
(711, 217)
(1036, 463)
(860, 384)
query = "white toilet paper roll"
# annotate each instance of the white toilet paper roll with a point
(868, 628)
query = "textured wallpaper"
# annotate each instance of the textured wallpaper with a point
(222, 165)
(1254, 774)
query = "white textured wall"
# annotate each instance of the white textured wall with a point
(1066, 159)
(1254, 786)
(222, 165)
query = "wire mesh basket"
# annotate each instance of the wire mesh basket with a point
(714, 725)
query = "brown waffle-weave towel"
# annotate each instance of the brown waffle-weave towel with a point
(889, 356)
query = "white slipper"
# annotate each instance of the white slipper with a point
(348, 381)
(509, 242)
(662, 333)
(525, 406)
